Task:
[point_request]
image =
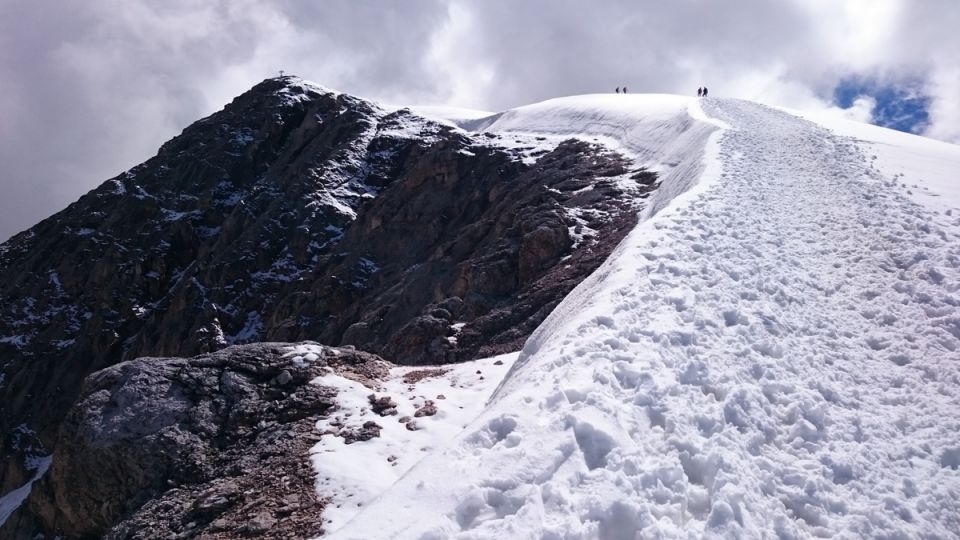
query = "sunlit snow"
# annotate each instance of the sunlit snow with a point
(773, 352)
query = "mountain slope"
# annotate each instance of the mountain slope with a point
(773, 349)
(294, 213)
(776, 352)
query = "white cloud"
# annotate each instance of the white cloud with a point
(860, 111)
(944, 85)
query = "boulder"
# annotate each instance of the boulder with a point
(174, 447)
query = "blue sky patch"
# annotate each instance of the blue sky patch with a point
(902, 106)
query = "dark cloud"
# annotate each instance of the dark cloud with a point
(88, 89)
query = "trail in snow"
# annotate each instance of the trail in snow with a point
(779, 355)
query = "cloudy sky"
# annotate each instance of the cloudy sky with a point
(90, 88)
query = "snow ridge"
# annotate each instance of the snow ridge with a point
(777, 354)
(663, 133)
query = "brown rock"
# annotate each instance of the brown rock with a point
(428, 409)
(384, 406)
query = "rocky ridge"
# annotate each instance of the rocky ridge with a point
(288, 216)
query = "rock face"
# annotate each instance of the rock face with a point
(300, 213)
(483, 269)
(215, 445)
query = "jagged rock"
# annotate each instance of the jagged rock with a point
(260, 524)
(165, 447)
(416, 337)
(490, 232)
(369, 430)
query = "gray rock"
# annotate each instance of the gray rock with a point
(284, 378)
(429, 408)
(163, 447)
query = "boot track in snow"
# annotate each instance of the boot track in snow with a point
(776, 356)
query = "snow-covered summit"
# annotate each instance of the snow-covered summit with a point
(661, 132)
(773, 352)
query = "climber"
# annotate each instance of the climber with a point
(704, 91)
(618, 89)
(700, 91)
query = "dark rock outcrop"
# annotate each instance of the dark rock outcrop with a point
(489, 232)
(183, 254)
(214, 446)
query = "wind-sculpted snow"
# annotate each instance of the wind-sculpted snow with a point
(663, 133)
(774, 354)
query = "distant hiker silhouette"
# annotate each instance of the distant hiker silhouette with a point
(618, 89)
(704, 91)
(700, 91)
(624, 89)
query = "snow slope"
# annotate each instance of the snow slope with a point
(450, 115)
(926, 167)
(352, 475)
(774, 353)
